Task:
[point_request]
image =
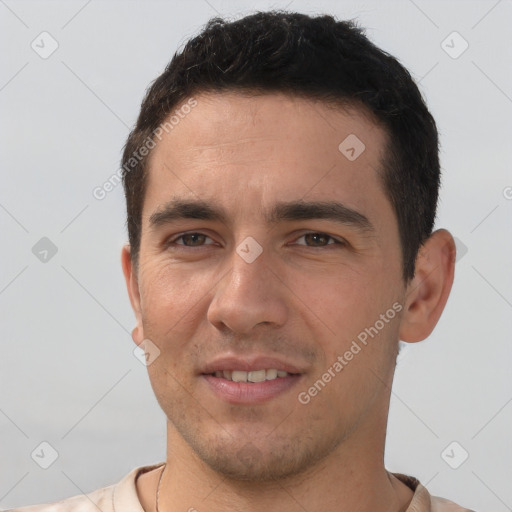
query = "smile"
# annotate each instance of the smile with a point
(252, 376)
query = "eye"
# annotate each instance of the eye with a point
(194, 238)
(320, 239)
(312, 239)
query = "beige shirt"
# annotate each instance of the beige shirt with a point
(122, 497)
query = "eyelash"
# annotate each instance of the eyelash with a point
(336, 241)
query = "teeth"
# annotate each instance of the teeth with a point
(254, 376)
(238, 376)
(271, 374)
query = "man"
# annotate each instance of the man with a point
(281, 185)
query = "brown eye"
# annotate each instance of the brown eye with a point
(190, 240)
(318, 240)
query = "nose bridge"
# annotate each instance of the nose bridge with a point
(250, 294)
(250, 268)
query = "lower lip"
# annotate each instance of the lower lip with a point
(250, 392)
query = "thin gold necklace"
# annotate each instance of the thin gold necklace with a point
(158, 486)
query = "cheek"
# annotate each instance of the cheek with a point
(340, 308)
(171, 303)
(175, 303)
(356, 345)
(170, 294)
(339, 298)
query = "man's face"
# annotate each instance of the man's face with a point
(211, 302)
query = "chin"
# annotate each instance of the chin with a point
(271, 460)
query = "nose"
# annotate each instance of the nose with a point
(248, 295)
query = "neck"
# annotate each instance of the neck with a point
(350, 478)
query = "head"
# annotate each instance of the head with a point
(302, 163)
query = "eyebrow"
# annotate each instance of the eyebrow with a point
(179, 209)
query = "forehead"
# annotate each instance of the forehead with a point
(244, 150)
(228, 119)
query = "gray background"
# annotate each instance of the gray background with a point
(68, 374)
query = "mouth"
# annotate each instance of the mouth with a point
(253, 376)
(248, 381)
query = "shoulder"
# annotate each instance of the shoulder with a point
(438, 504)
(120, 496)
(423, 501)
(100, 499)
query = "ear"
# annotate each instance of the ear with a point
(132, 284)
(428, 291)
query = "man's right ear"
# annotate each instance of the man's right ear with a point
(132, 285)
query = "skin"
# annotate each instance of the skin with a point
(304, 299)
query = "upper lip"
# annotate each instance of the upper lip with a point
(249, 363)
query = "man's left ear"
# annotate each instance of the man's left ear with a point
(428, 291)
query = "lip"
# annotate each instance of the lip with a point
(250, 393)
(249, 364)
(246, 393)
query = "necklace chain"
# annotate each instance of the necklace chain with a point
(158, 486)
